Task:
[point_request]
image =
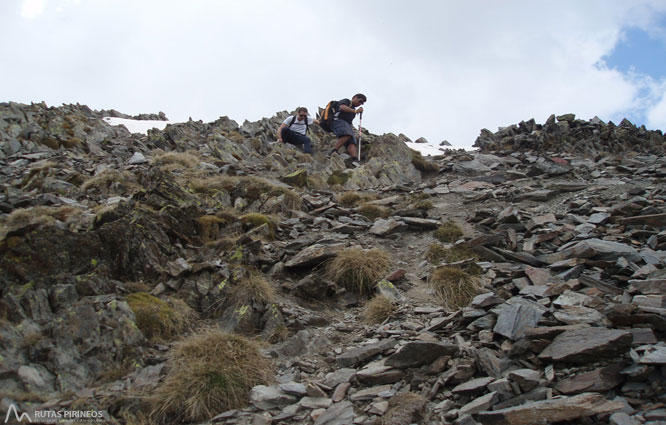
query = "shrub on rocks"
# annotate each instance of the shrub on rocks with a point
(358, 270)
(422, 164)
(448, 232)
(373, 211)
(210, 372)
(157, 319)
(251, 289)
(378, 309)
(454, 287)
(180, 159)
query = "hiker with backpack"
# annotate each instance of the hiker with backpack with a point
(346, 111)
(293, 130)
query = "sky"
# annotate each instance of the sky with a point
(439, 69)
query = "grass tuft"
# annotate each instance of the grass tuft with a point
(184, 159)
(157, 319)
(211, 372)
(358, 270)
(378, 309)
(448, 232)
(422, 164)
(373, 212)
(252, 289)
(453, 287)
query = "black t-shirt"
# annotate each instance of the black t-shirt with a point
(346, 116)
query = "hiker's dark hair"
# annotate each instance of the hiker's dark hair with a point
(302, 109)
(361, 96)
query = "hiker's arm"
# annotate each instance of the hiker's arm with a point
(279, 134)
(316, 121)
(345, 108)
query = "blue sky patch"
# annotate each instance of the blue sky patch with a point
(640, 52)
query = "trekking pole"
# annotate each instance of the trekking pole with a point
(360, 119)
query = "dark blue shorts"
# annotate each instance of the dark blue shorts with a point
(343, 128)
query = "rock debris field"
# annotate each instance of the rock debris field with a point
(205, 274)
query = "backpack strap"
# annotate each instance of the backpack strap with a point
(293, 118)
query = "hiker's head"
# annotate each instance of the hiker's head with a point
(302, 112)
(358, 100)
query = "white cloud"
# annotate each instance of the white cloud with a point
(656, 116)
(442, 70)
(32, 8)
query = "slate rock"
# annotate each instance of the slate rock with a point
(549, 411)
(514, 319)
(601, 379)
(589, 344)
(313, 255)
(357, 355)
(338, 414)
(265, 398)
(418, 353)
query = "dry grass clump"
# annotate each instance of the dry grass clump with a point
(159, 320)
(38, 216)
(448, 232)
(358, 270)
(378, 309)
(422, 164)
(210, 226)
(373, 212)
(437, 253)
(211, 372)
(454, 287)
(348, 199)
(253, 220)
(181, 159)
(251, 289)
(211, 185)
(111, 181)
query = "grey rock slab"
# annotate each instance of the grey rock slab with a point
(655, 356)
(359, 354)
(383, 227)
(527, 379)
(514, 319)
(370, 393)
(474, 386)
(421, 223)
(601, 250)
(601, 379)
(418, 353)
(313, 255)
(479, 404)
(338, 414)
(266, 398)
(583, 345)
(573, 315)
(649, 286)
(137, 158)
(316, 402)
(378, 373)
(293, 388)
(339, 376)
(549, 411)
(621, 418)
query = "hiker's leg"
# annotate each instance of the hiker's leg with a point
(352, 150)
(307, 145)
(297, 139)
(342, 141)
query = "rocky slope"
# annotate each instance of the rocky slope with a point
(564, 223)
